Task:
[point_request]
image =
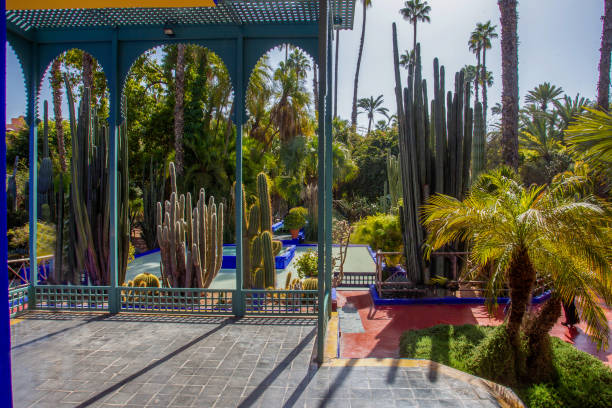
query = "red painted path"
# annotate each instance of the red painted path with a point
(384, 325)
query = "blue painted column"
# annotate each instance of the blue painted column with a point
(33, 181)
(328, 169)
(6, 390)
(238, 297)
(114, 119)
(321, 236)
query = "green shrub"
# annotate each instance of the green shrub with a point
(583, 381)
(295, 219)
(381, 231)
(542, 396)
(307, 264)
(19, 238)
(494, 358)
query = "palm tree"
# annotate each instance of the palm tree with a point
(372, 106)
(415, 11)
(56, 86)
(179, 109)
(538, 140)
(475, 45)
(517, 234)
(568, 108)
(603, 86)
(469, 75)
(591, 134)
(510, 97)
(406, 58)
(543, 94)
(366, 4)
(487, 33)
(288, 112)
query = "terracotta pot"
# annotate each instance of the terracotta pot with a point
(294, 233)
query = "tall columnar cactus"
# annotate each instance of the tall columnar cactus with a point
(435, 141)
(45, 173)
(478, 151)
(89, 211)
(259, 249)
(153, 192)
(394, 181)
(190, 239)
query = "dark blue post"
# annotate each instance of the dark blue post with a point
(114, 118)
(6, 390)
(238, 297)
(321, 190)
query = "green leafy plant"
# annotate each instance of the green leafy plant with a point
(295, 219)
(380, 232)
(307, 264)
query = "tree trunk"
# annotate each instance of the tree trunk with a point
(477, 79)
(539, 348)
(484, 88)
(414, 42)
(354, 111)
(369, 125)
(521, 279)
(603, 86)
(56, 85)
(510, 98)
(336, 75)
(179, 108)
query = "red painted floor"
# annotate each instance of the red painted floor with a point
(385, 324)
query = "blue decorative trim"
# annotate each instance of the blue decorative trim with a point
(448, 300)
(145, 253)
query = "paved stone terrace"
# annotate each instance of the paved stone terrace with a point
(83, 360)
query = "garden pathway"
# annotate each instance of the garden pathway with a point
(88, 360)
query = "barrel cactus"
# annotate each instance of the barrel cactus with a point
(145, 279)
(310, 284)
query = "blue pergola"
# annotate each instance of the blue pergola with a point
(240, 32)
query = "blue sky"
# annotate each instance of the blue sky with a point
(558, 42)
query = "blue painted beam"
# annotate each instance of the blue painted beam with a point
(114, 119)
(6, 389)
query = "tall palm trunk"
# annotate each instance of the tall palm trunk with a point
(603, 86)
(484, 87)
(477, 79)
(414, 33)
(179, 109)
(336, 75)
(363, 27)
(56, 85)
(510, 98)
(521, 279)
(370, 117)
